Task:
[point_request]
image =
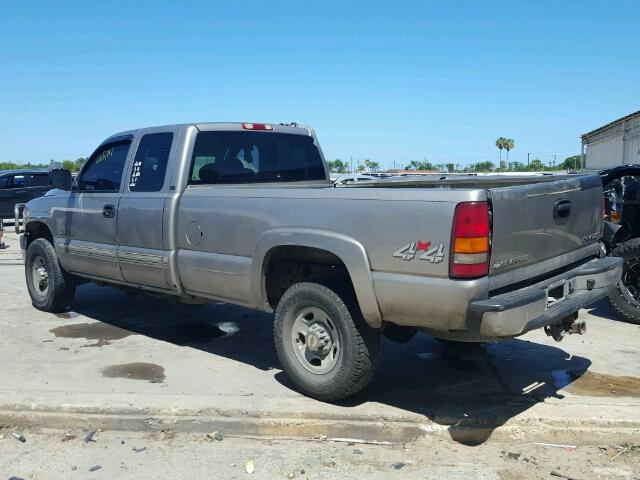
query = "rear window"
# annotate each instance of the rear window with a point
(252, 157)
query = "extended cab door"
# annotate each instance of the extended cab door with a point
(86, 236)
(142, 252)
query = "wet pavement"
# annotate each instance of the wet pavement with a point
(155, 355)
(136, 371)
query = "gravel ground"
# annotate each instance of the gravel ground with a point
(50, 454)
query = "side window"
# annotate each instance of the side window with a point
(150, 164)
(4, 182)
(103, 171)
(38, 180)
(18, 181)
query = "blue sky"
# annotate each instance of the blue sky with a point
(380, 80)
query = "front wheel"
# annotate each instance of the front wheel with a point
(625, 298)
(325, 347)
(51, 288)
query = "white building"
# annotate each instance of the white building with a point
(616, 143)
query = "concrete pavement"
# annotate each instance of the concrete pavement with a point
(122, 362)
(54, 455)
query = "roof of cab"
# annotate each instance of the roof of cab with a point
(24, 171)
(291, 128)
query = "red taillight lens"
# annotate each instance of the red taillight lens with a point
(257, 126)
(470, 240)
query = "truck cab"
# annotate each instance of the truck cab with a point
(20, 186)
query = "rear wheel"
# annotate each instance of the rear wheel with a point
(51, 288)
(325, 347)
(625, 298)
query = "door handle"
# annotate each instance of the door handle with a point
(562, 209)
(109, 211)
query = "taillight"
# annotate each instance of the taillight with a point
(470, 240)
(603, 215)
(257, 126)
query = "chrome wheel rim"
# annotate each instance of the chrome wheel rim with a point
(315, 340)
(630, 282)
(40, 276)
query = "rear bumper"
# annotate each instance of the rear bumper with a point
(526, 309)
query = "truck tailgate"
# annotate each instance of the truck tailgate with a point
(538, 221)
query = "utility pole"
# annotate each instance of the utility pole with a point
(528, 159)
(351, 159)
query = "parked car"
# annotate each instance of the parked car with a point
(20, 186)
(246, 214)
(345, 179)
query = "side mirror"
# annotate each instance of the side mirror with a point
(60, 179)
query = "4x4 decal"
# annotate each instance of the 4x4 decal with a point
(433, 254)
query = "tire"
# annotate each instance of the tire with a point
(621, 298)
(51, 288)
(353, 346)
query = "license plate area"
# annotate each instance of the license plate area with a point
(557, 292)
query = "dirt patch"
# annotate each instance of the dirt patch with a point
(136, 371)
(102, 332)
(594, 384)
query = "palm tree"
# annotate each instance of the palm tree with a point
(509, 145)
(501, 143)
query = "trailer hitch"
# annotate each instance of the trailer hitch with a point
(568, 325)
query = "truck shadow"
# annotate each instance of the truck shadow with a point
(469, 391)
(604, 310)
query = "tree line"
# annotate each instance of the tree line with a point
(73, 166)
(572, 163)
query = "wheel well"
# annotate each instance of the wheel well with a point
(35, 230)
(287, 265)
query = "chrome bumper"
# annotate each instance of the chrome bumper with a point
(18, 211)
(519, 311)
(23, 245)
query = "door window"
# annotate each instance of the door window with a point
(4, 182)
(103, 171)
(150, 164)
(38, 180)
(17, 182)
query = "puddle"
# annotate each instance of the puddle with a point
(594, 384)
(102, 332)
(136, 371)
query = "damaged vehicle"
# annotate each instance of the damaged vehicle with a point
(621, 187)
(246, 213)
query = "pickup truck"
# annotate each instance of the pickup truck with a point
(20, 186)
(245, 213)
